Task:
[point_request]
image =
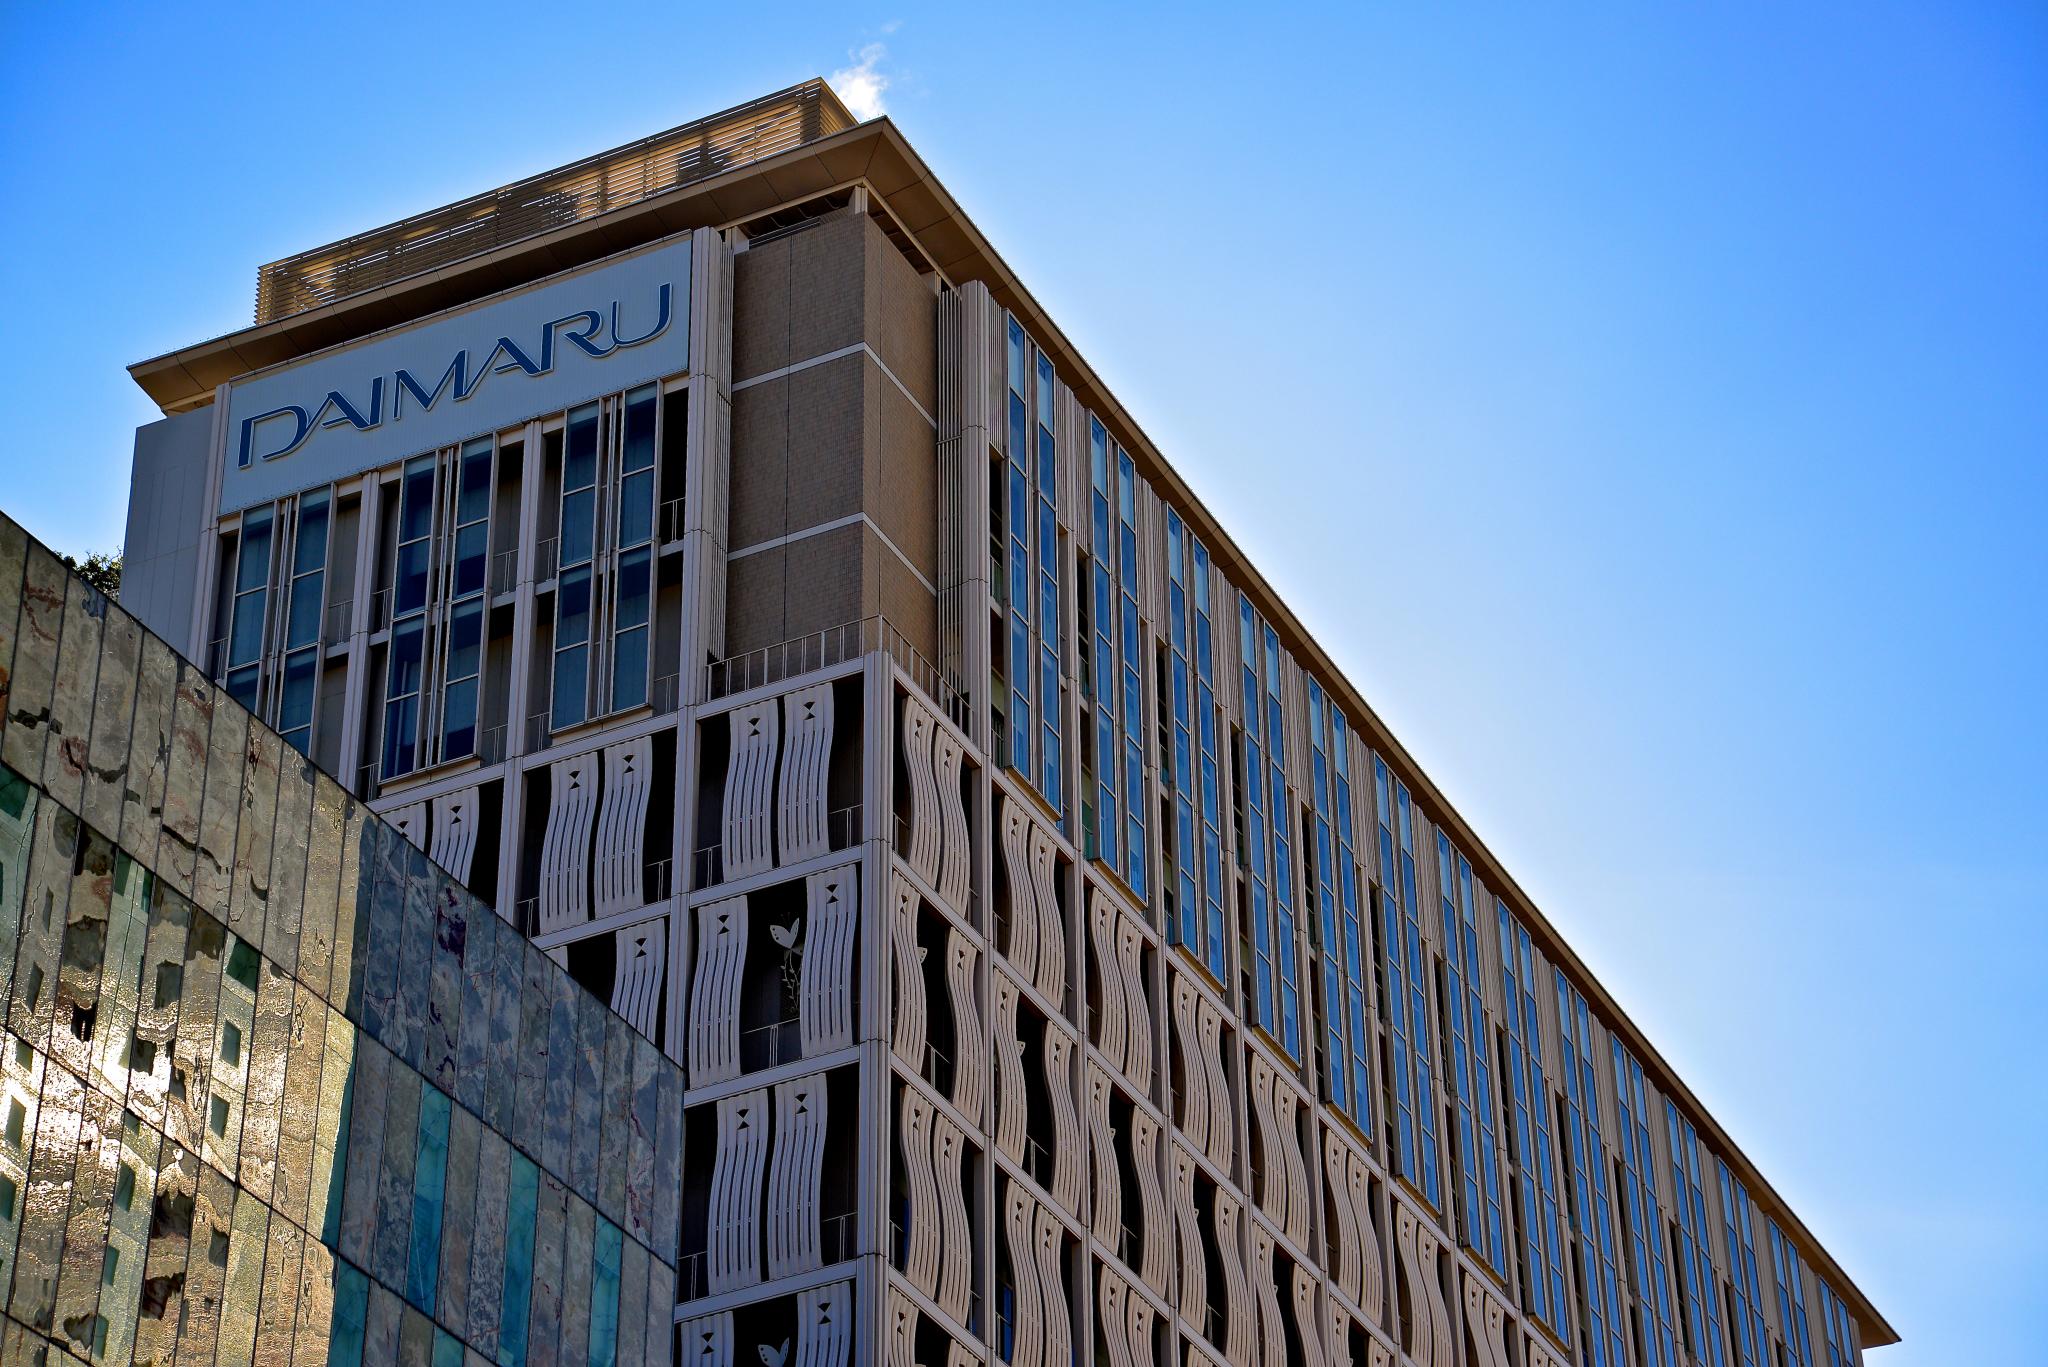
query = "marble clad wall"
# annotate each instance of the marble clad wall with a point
(273, 1089)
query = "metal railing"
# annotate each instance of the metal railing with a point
(667, 693)
(569, 194)
(937, 1069)
(824, 649)
(380, 609)
(657, 884)
(1038, 1162)
(539, 727)
(838, 1242)
(544, 554)
(766, 1046)
(842, 832)
(504, 571)
(671, 523)
(335, 622)
(490, 744)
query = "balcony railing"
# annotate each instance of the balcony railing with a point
(504, 571)
(824, 649)
(842, 832)
(667, 694)
(657, 885)
(767, 1046)
(334, 629)
(838, 1242)
(490, 744)
(671, 523)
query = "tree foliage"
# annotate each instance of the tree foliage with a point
(101, 569)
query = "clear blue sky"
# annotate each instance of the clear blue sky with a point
(1647, 404)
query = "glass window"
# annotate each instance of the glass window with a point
(1528, 1104)
(1590, 1203)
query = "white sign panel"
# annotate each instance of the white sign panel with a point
(476, 369)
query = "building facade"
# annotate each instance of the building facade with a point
(275, 1089)
(711, 556)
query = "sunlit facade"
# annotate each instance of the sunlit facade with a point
(711, 557)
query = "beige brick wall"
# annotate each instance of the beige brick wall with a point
(832, 440)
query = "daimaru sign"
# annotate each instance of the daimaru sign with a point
(457, 375)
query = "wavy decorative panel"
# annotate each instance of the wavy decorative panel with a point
(565, 845)
(915, 736)
(1052, 929)
(824, 1319)
(1306, 1321)
(970, 1052)
(1194, 1275)
(733, 1223)
(800, 811)
(1009, 1051)
(1194, 1076)
(1138, 1317)
(832, 924)
(1372, 1288)
(1346, 1265)
(1287, 1135)
(902, 1330)
(453, 844)
(410, 821)
(1020, 942)
(1112, 1020)
(1485, 1324)
(1112, 1315)
(921, 1229)
(1130, 953)
(707, 1341)
(1052, 1289)
(1106, 1178)
(1427, 1246)
(793, 1178)
(1069, 1156)
(956, 846)
(1155, 1258)
(908, 1026)
(1020, 1226)
(747, 840)
(956, 1239)
(1271, 1190)
(1222, 1114)
(1228, 1213)
(622, 826)
(714, 1038)
(640, 958)
(1272, 1335)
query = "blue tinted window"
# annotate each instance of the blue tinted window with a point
(429, 1184)
(522, 1201)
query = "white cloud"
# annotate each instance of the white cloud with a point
(863, 84)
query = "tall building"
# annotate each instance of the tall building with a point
(713, 557)
(273, 1088)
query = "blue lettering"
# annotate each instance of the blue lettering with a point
(593, 323)
(346, 412)
(583, 330)
(457, 369)
(302, 429)
(619, 338)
